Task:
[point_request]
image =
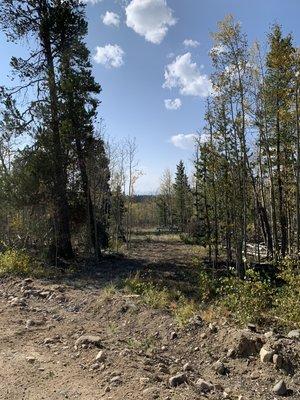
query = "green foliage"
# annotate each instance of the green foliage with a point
(151, 294)
(15, 262)
(248, 299)
(19, 263)
(207, 286)
(287, 301)
(181, 308)
(156, 298)
(184, 311)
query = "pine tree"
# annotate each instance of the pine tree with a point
(182, 197)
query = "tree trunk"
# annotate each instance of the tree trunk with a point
(61, 207)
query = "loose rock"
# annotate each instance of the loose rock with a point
(280, 388)
(100, 357)
(220, 368)
(88, 340)
(294, 334)
(177, 380)
(187, 367)
(266, 355)
(203, 386)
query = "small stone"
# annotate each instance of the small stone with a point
(203, 386)
(94, 367)
(88, 340)
(173, 335)
(30, 323)
(266, 355)
(49, 340)
(187, 367)
(30, 360)
(280, 388)
(196, 348)
(252, 327)
(231, 353)
(213, 328)
(116, 380)
(17, 302)
(278, 361)
(220, 368)
(101, 357)
(294, 334)
(177, 380)
(44, 295)
(254, 375)
(269, 334)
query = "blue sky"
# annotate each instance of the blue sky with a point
(144, 40)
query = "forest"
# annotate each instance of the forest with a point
(219, 240)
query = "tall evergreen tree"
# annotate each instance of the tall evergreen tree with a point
(182, 197)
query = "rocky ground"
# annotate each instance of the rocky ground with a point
(82, 339)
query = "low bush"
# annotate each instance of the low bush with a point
(287, 299)
(248, 299)
(184, 310)
(15, 262)
(207, 286)
(19, 263)
(151, 294)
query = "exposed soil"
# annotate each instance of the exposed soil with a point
(40, 322)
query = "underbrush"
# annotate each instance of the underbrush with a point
(287, 300)
(19, 263)
(248, 300)
(255, 298)
(182, 308)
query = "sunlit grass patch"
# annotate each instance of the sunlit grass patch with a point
(184, 310)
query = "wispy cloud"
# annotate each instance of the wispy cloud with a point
(191, 43)
(174, 104)
(184, 142)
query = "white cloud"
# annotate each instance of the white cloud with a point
(186, 76)
(111, 19)
(150, 18)
(191, 43)
(184, 142)
(189, 141)
(173, 104)
(111, 56)
(91, 1)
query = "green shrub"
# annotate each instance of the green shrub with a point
(207, 286)
(135, 284)
(184, 311)
(151, 294)
(19, 263)
(287, 301)
(15, 262)
(248, 299)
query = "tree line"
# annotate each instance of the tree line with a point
(62, 187)
(246, 186)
